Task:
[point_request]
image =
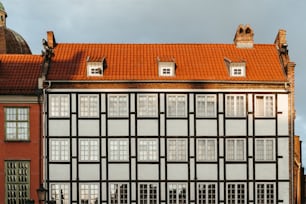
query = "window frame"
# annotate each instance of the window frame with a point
(62, 108)
(94, 69)
(265, 194)
(147, 199)
(209, 198)
(199, 108)
(235, 155)
(236, 193)
(166, 69)
(205, 156)
(118, 154)
(264, 155)
(21, 132)
(89, 190)
(120, 109)
(149, 152)
(178, 154)
(177, 195)
(234, 111)
(237, 69)
(61, 189)
(173, 107)
(91, 108)
(144, 110)
(119, 195)
(265, 112)
(63, 149)
(92, 150)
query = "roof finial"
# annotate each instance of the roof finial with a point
(3, 16)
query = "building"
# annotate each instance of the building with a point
(20, 126)
(169, 123)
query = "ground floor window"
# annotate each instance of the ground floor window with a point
(177, 193)
(236, 193)
(207, 193)
(148, 193)
(89, 193)
(59, 192)
(265, 193)
(118, 193)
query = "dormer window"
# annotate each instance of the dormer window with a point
(95, 68)
(237, 69)
(166, 68)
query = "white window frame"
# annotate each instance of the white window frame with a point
(59, 105)
(59, 192)
(237, 69)
(17, 123)
(88, 150)
(206, 149)
(263, 106)
(118, 150)
(147, 105)
(233, 105)
(235, 150)
(89, 192)
(263, 193)
(177, 105)
(265, 149)
(88, 106)
(237, 190)
(59, 149)
(208, 193)
(148, 193)
(178, 189)
(147, 150)
(114, 192)
(166, 69)
(95, 68)
(204, 106)
(118, 105)
(177, 149)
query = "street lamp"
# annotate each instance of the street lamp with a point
(41, 192)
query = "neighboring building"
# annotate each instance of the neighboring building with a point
(298, 172)
(169, 123)
(20, 126)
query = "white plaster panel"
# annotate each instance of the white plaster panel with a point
(236, 171)
(163, 169)
(250, 124)
(264, 127)
(118, 171)
(250, 140)
(250, 103)
(103, 147)
(192, 166)
(235, 128)
(133, 188)
(133, 147)
(283, 192)
(192, 191)
(221, 125)
(88, 128)
(74, 147)
(147, 127)
(207, 171)
(221, 169)
(89, 172)
(177, 127)
(221, 144)
(59, 127)
(191, 99)
(74, 191)
(191, 147)
(104, 195)
(73, 103)
(132, 102)
(73, 125)
(163, 191)
(282, 105)
(162, 125)
(118, 127)
(74, 168)
(103, 103)
(191, 125)
(283, 149)
(162, 147)
(133, 169)
(148, 171)
(177, 171)
(265, 171)
(162, 102)
(206, 127)
(59, 171)
(133, 125)
(221, 109)
(104, 167)
(251, 191)
(103, 125)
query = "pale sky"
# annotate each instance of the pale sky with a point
(166, 21)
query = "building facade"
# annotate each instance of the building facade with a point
(169, 123)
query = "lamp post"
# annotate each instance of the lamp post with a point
(41, 192)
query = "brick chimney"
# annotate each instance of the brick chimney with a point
(244, 37)
(51, 39)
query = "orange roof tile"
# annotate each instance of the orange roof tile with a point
(193, 61)
(19, 73)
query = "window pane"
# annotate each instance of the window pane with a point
(176, 105)
(118, 105)
(17, 123)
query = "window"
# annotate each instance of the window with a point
(177, 193)
(118, 150)
(88, 106)
(264, 106)
(59, 150)
(235, 105)
(17, 123)
(118, 105)
(147, 105)
(207, 193)
(89, 150)
(206, 106)
(147, 150)
(235, 150)
(95, 68)
(237, 69)
(59, 105)
(207, 150)
(17, 181)
(148, 194)
(236, 193)
(59, 192)
(265, 193)
(89, 193)
(264, 150)
(166, 68)
(176, 105)
(177, 150)
(119, 194)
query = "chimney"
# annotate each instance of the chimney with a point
(280, 39)
(244, 36)
(51, 39)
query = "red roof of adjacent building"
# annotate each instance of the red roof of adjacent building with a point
(140, 61)
(19, 73)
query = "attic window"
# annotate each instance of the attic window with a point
(237, 69)
(166, 68)
(95, 67)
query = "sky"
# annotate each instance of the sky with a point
(166, 21)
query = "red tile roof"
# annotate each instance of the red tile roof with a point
(19, 73)
(193, 61)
